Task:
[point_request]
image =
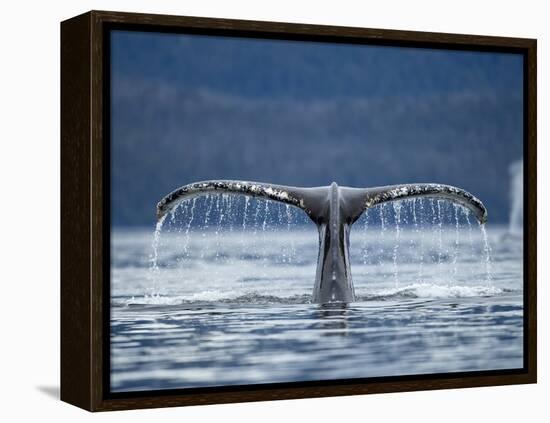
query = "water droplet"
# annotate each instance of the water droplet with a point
(154, 259)
(456, 242)
(488, 261)
(397, 214)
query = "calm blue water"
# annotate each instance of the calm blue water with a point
(228, 302)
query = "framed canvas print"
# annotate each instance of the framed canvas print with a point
(258, 210)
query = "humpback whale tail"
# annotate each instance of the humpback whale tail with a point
(333, 209)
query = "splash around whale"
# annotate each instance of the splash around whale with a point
(334, 209)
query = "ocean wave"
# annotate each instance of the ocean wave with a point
(412, 291)
(425, 290)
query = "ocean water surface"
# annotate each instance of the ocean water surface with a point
(222, 296)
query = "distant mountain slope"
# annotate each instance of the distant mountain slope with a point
(307, 70)
(166, 135)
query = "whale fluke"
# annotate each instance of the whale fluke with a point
(333, 209)
(361, 199)
(289, 195)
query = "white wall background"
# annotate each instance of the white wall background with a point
(29, 154)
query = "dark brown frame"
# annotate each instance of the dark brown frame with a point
(85, 215)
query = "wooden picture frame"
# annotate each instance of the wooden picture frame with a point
(85, 189)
